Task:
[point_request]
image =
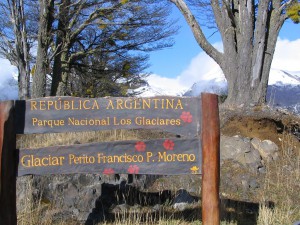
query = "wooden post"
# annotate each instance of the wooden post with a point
(210, 160)
(8, 162)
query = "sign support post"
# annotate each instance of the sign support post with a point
(8, 164)
(210, 160)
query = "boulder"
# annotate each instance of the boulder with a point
(240, 149)
(267, 149)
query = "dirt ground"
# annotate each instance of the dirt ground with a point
(263, 123)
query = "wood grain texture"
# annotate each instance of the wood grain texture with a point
(211, 160)
(8, 164)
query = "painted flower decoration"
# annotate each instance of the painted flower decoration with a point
(108, 171)
(194, 169)
(186, 117)
(140, 146)
(133, 169)
(168, 144)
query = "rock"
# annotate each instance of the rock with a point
(262, 170)
(121, 208)
(249, 156)
(230, 146)
(253, 184)
(240, 150)
(182, 196)
(156, 208)
(75, 195)
(181, 206)
(267, 149)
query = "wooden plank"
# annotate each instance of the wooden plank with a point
(68, 114)
(8, 166)
(211, 160)
(160, 157)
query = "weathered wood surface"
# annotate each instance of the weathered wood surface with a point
(211, 160)
(8, 165)
(68, 114)
(160, 157)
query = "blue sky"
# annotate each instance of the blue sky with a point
(180, 66)
(173, 61)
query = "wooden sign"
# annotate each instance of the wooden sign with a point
(195, 151)
(161, 157)
(65, 114)
(61, 114)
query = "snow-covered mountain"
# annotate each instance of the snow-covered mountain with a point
(283, 90)
(152, 90)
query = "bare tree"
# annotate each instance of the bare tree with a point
(14, 41)
(72, 32)
(118, 28)
(249, 31)
(44, 39)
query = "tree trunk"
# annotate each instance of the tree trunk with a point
(21, 47)
(23, 81)
(60, 75)
(44, 39)
(60, 65)
(249, 32)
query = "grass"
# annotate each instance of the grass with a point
(281, 184)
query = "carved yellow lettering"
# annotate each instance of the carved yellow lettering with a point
(147, 104)
(179, 105)
(50, 103)
(110, 105)
(25, 161)
(85, 104)
(67, 105)
(34, 121)
(149, 155)
(42, 105)
(170, 103)
(33, 105)
(95, 105)
(128, 104)
(119, 104)
(155, 100)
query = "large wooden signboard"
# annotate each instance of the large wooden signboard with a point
(195, 150)
(165, 156)
(169, 156)
(63, 114)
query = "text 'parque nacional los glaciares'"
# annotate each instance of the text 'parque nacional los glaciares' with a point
(63, 114)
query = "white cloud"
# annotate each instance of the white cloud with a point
(161, 82)
(199, 68)
(287, 55)
(203, 68)
(8, 83)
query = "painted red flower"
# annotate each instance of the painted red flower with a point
(186, 117)
(168, 144)
(133, 169)
(108, 171)
(140, 146)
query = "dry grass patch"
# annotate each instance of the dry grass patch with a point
(281, 186)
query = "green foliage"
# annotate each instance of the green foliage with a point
(124, 1)
(293, 12)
